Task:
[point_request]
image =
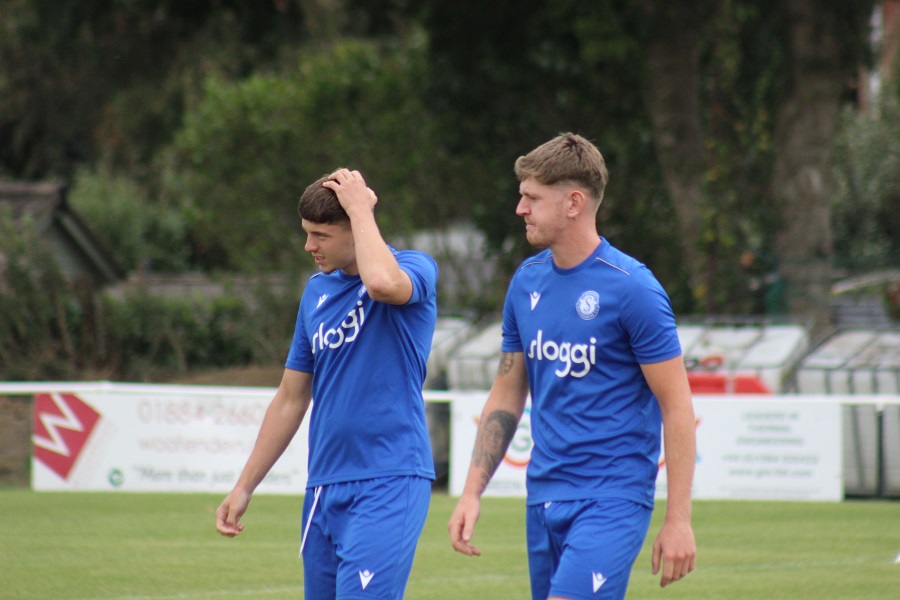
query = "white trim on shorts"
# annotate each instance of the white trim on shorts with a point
(309, 519)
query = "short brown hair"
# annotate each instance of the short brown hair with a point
(566, 158)
(320, 204)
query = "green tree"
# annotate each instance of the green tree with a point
(85, 79)
(866, 203)
(507, 76)
(249, 148)
(720, 114)
(793, 72)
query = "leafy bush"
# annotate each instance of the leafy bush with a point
(155, 337)
(141, 234)
(53, 329)
(36, 308)
(249, 149)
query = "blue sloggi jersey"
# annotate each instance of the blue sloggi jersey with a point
(368, 363)
(584, 333)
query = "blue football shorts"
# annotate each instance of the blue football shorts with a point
(584, 549)
(359, 537)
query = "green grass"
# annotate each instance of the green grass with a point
(65, 546)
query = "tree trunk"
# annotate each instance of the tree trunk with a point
(804, 130)
(672, 95)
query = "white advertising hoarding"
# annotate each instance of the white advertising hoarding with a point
(121, 437)
(155, 438)
(766, 447)
(748, 447)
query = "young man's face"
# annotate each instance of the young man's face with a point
(544, 209)
(331, 245)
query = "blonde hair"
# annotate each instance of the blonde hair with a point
(566, 158)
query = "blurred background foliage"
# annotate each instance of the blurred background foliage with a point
(866, 201)
(244, 154)
(189, 128)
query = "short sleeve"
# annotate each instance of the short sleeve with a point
(512, 342)
(300, 356)
(422, 271)
(648, 318)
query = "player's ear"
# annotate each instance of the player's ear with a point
(576, 202)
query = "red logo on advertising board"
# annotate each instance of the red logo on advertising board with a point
(62, 425)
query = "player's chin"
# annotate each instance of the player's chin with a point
(535, 240)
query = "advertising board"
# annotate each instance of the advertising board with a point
(748, 447)
(155, 438)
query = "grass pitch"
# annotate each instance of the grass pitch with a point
(80, 546)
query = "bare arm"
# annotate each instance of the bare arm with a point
(675, 547)
(385, 281)
(280, 424)
(498, 423)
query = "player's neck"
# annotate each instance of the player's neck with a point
(574, 250)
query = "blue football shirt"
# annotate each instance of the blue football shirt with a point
(368, 363)
(584, 333)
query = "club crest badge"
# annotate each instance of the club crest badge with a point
(588, 305)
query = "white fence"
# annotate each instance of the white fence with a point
(123, 437)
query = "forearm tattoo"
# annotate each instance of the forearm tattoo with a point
(506, 361)
(494, 436)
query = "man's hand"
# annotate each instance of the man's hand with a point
(462, 525)
(351, 191)
(229, 513)
(675, 548)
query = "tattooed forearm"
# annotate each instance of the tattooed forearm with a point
(506, 361)
(494, 436)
